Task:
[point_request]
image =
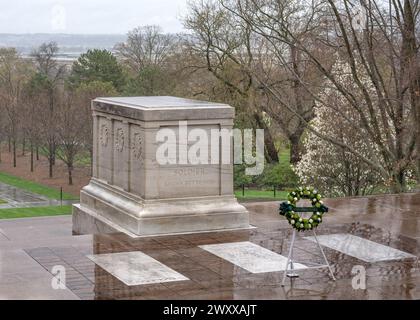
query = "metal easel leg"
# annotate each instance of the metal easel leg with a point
(289, 259)
(323, 254)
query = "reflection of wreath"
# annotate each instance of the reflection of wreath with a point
(289, 209)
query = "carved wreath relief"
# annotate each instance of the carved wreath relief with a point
(104, 135)
(138, 147)
(119, 140)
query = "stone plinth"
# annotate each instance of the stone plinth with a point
(131, 191)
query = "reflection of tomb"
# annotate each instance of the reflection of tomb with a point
(198, 270)
(106, 285)
(131, 192)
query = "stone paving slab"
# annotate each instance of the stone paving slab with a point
(361, 248)
(250, 256)
(135, 268)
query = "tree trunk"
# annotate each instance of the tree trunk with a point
(32, 157)
(23, 146)
(417, 120)
(50, 167)
(10, 145)
(70, 169)
(418, 157)
(53, 153)
(37, 153)
(271, 153)
(14, 153)
(51, 157)
(398, 181)
(295, 152)
(409, 53)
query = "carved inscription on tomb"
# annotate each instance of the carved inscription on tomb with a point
(190, 177)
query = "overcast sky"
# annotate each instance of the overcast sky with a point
(89, 16)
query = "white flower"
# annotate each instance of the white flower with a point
(309, 226)
(300, 220)
(321, 202)
(288, 202)
(295, 198)
(292, 221)
(310, 220)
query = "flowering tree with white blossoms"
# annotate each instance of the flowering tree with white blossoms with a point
(331, 168)
(381, 47)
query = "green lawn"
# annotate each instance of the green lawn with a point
(34, 212)
(254, 194)
(251, 194)
(34, 187)
(284, 155)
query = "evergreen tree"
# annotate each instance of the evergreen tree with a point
(97, 65)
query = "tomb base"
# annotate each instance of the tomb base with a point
(106, 209)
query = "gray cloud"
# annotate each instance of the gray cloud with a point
(88, 16)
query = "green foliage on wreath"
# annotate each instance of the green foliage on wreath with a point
(289, 210)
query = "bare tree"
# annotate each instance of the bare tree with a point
(3, 133)
(146, 46)
(13, 75)
(383, 45)
(238, 56)
(49, 79)
(71, 122)
(32, 113)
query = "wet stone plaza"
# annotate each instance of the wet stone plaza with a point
(378, 235)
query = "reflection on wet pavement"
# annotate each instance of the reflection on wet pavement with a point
(212, 276)
(13, 194)
(30, 248)
(18, 198)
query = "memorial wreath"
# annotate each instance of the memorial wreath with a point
(289, 208)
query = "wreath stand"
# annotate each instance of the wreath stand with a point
(290, 272)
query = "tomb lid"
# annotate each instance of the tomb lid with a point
(160, 108)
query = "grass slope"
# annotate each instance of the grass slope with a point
(34, 187)
(34, 212)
